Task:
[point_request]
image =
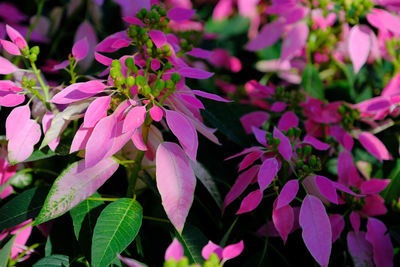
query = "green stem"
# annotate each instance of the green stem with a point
(155, 219)
(35, 22)
(45, 88)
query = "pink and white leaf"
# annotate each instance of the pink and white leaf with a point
(175, 182)
(317, 231)
(96, 111)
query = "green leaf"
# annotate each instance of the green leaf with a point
(40, 154)
(392, 191)
(22, 207)
(116, 227)
(193, 241)
(53, 261)
(228, 27)
(312, 83)
(84, 217)
(6, 251)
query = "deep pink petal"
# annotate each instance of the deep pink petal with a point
(91, 87)
(269, 34)
(283, 219)
(156, 113)
(210, 96)
(158, 37)
(288, 193)
(267, 173)
(255, 119)
(174, 251)
(232, 251)
(316, 143)
(138, 141)
(16, 37)
(287, 121)
(326, 188)
(180, 14)
(249, 159)
(359, 46)
(337, 223)
(381, 243)
(96, 111)
(250, 202)
(285, 147)
(135, 118)
(374, 206)
(10, 47)
(374, 186)
(355, 221)
(80, 49)
(211, 248)
(374, 146)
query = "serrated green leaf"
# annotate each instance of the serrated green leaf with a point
(22, 207)
(392, 191)
(193, 241)
(84, 217)
(311, 82)
(53, 261)
(116, 227)
(6, 251)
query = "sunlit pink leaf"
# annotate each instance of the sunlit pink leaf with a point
(194, 73)
(156, 113)
(232, 251)
(180, 14)
(138, 141)
(317, 232)
(249, 159)
(308, 139)
(287, 194)
(175, 182)
(360, 249)
(285, 147)
(134, 119)
(267, 173)
(211, 248)
(184, 130)
(10, 47)
(174, 251)
(283, 219)
(222, 9)
(96, 111)
(287, 121)
(294, 41)
(374, 186)
(269, 34)
(337, 223)
(250, 202)
(16, 37)
(374, 146)
(359, 46)
(91, 87)
(381, 243)
(326, 188)
(158, 37)
(6, 67)
(80, 139)
(80, 49)
(70, 94)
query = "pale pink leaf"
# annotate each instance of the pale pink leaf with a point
(319, 145)
(10, 47)
(381, 243)
(130, 262)
(285, 147)
(6, 67)
(156, 113)
(175, 182)
(103, 59)
(194, 73)
(283, 219)
(91, 87)
(287, 121)
(134, 119)
(249, 159)
(294, 41)
(317, 232)
(210, 96)
(174, 251)
(337, 223)
(211, 248)
(80, 49)
(326, 188)
(16, 37)
(250, 202)
(100, 141)
(199, 53)
(96, 111)
(267, 173)
(359, 45)
(80, 139)
(184, 130)
(74, 185)
(180, 14)
(241, 184)
(360, 249)
(287, 194)
(70, 94)
(374, 186)
(158, 37)
(13, 122)
(374, 146)
(232, 251)
(269, 34)
(86, 30)
(253, 119)
(137, 140)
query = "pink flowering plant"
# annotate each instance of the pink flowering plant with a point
(286, 112)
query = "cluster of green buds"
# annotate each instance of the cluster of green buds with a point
(213, 261)
(28, 83)
(356, 203)
(307, 163)
(355, 9)
(349, 116)
(156, 17)
(291, 97)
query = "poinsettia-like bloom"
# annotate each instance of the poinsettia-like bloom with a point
(22, 233)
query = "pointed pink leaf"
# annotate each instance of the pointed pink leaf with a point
(10, 47)
(80, 49)
(211, 248)
(200, 53)
(74, 185)
(194, 73)
(96, 111)
(278, 106)
(134, 119)
(287, 194)
(317, 232)
(158, 37)
(156, 113)
(241, 184)
(355, 221)
(287, 121)
(174, 251)
(249, 159)
(175, 182)
(130, 262)
(384, 20)
(180, 14)
(285, 147)
(103, 59)
(267, 173)
(11, 99)
(232, 251)
(260, 135)
(70, 94)
(120, 138)
(137, 140)
(374, 186)
(210, 96)
(360, 249)
(374, 206)
(100, 141)
(184, 130)
(326, 188)
(308, 139)
(381, 243)
(269, 34)
(255, 119)
(283, 219)
(86, 30)
(91, 87)
(62, 65)
(359, 47)
(6, 67)
(250, 202)
(80, 139)
(374, 146)
(345, 189)
(337, 223)
(244, 152)
(18, 114)
(16, 37)
(294, 41)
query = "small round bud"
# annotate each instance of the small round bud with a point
(149, 43)
(32, 57)
(129, 63)
(32, 83)
(307, 150)
(277, 141)
(130, 81)
(159, 85)
(313, 161)
(35, 50)
(183, 262)
(25, 81)
(140, 81)
(114, 73)
(146, 90)
(170, 263)
(169, 84)
(116, 64)
(176, 77)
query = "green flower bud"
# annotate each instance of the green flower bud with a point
(169, 84)
(32, 57)
(32, 83)
(146, 90)
(130, 81)
(208, 264)
(183, 262)
(307, 150)
(141, 81)
(149, 43)
(143, 12)
(129, 63)
(299, 151)
(213, 258)
(170, 263)
(176, 78)
(290, 132)
(276, 141)
(114, 73)
(116, 64)
(25, 81)
(159, 85)
(313, 161)
(35, 50)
